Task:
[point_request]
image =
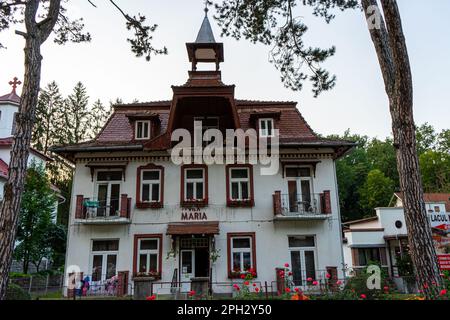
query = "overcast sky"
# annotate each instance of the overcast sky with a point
(109, 70)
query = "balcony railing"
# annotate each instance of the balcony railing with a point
(99, 211)
(310, 205)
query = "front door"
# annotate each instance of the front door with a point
(187, 268)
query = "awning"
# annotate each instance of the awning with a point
(193, 228)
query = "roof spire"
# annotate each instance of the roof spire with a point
(14, 83)
(205, 34)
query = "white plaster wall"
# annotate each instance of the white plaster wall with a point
(6, 119)
(271, 236)
(388, 217)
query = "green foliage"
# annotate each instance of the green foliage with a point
(279, 24)
(435, 171)
(357, 284)
(15, 292)
(36, 228)
(376, 191)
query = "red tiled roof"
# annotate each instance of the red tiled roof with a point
(10, 97)
(118, 131)
(3, 169)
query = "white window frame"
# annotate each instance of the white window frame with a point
(145, 135)
(195, 181)
(108, 183)
(302, 251)
(241, 252)
(104, 255)
(151, 183)
(148, 252)
(264, 132)
(239, 182)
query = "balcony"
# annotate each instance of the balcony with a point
(292, 207)
(104, 211)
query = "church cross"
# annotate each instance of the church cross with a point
(14, 83)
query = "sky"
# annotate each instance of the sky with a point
(358, 102)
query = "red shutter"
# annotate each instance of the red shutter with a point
(327, 201)
(124, 206)
(79, 207)
(277, 203)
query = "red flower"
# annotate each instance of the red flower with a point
(254, 284)
(242, 276)
(339, 282)
(281, 273)
(386, 288)
(149, 298)
(309, 279)
(235, 286)
(315, 283)
(256, 289)
(296, 289)
(425, 286)
(246, 283)
(443, 292)
(287, 290)
(328, 276)
(290, 273)
(363, 296)
(191, 293)
(286, 265)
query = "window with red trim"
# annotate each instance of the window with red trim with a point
(241, 254)
(150, 186)
(194, 184)
(147, 260)
(240, 185)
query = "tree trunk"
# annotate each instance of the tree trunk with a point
(390, 45)
(9, 210)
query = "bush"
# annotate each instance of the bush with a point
(18, 275)
(15, 292)
(358, 284)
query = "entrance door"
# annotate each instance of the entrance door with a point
(187, 268)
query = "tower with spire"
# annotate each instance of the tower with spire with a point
(205, 49)
(9, 106)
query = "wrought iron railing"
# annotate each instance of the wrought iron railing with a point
(103, 209)
(298, 204)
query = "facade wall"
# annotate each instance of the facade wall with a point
(271, 236)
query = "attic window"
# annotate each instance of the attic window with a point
(266, 127)
(142, 130)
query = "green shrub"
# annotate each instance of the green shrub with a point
(14, 292)
(18, 275)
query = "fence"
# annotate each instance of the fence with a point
(40, 284)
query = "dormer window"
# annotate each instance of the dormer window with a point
(266, 127)
(142, 130)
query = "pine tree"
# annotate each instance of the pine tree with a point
(98, 118)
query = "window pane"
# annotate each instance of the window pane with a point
(211, 122)
(153, 263)
(145, 192)
(247, 260)
(155, 192)
(298, 172)
(146, 130)
(263, 125)
(105, 245)
(269, 127)
(301, 241)
(244, 186)
(109, 176)
(97, 262)
(296, 268)
(139, 130)
(239, 173)
(199, 191)
(304, 172)
(189, 191)
(150, 175)
(142, 263)
(194, 174)
(236, 261)
(234, 190)
(362, 257)
(241, 243)
(111, 266)
(310, 265)
(150, 244)
(186, 262)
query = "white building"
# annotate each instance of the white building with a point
(137, 215)
(9, 107)
(383, 238)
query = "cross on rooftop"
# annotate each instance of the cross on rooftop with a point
(14, 83)
(206, 7)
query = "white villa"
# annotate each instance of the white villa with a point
(383, 238)
(157, 227)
